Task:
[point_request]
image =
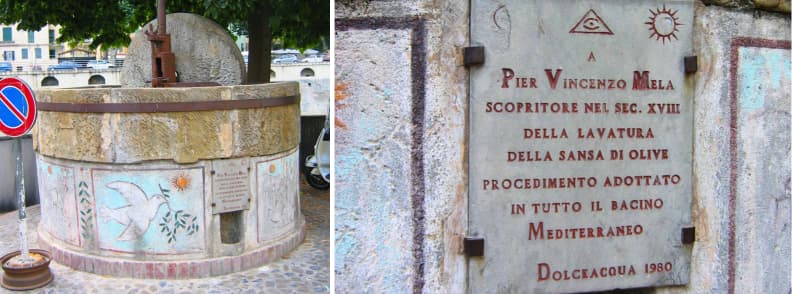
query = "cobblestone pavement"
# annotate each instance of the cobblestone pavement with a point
(305, 270)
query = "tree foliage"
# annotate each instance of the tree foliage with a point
(103, 21)
(300, 24)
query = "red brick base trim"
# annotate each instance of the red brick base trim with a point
(185, 269)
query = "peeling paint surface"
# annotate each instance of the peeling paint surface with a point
(762, 72)
(761, 168)
(733, 188)
(60, 208)
(373, 206)
(163, 210)
(277, 195)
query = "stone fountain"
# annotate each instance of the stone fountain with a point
(181, 181)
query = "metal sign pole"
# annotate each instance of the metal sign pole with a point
(23, 270)
(20, 189)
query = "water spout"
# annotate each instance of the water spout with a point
(25, 257)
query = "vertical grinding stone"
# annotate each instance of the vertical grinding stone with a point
(205, 52)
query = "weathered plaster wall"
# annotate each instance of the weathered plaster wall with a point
(400, 146)
(741, 153)
(741, 199)
(381, 147)
(769, 5)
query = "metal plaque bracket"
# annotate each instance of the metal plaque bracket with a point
(691, 64)
(688, 235)
(473, 55)
(473, 246)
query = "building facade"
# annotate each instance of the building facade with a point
(29, 50)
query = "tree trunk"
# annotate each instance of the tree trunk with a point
(260, 50)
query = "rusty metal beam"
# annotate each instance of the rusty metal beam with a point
(152, 107)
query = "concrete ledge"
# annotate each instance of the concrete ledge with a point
(192, 269)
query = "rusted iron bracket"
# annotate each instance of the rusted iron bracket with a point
(691, 64)
(163, 62)
(192, 84)
(473, 55)
(473, 246)
(688, 235)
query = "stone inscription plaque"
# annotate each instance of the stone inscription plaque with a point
(580, 145)
(230, 185)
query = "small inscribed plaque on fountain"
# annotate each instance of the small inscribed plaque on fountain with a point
(230, 185)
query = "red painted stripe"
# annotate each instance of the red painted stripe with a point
(732, 205)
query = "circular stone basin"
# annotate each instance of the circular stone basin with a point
(169, 182)
(26, 277)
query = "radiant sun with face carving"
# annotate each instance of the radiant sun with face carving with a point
(663, 23)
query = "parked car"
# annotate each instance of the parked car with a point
(312, 58)
(289, 58)
(99, 64)
(64, 66)
(5, 66)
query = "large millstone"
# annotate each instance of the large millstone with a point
(169, 182)
(204, 51)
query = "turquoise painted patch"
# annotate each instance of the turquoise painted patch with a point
(760, 70)
(342, 248)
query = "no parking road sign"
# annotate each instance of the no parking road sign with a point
(17, 107)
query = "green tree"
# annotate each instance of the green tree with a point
(302, 24)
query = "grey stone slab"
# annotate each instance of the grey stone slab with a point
(230, 185)
(580, 123)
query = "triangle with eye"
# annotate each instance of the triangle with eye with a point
(591, 23)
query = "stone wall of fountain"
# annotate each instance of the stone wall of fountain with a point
(169, 182)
